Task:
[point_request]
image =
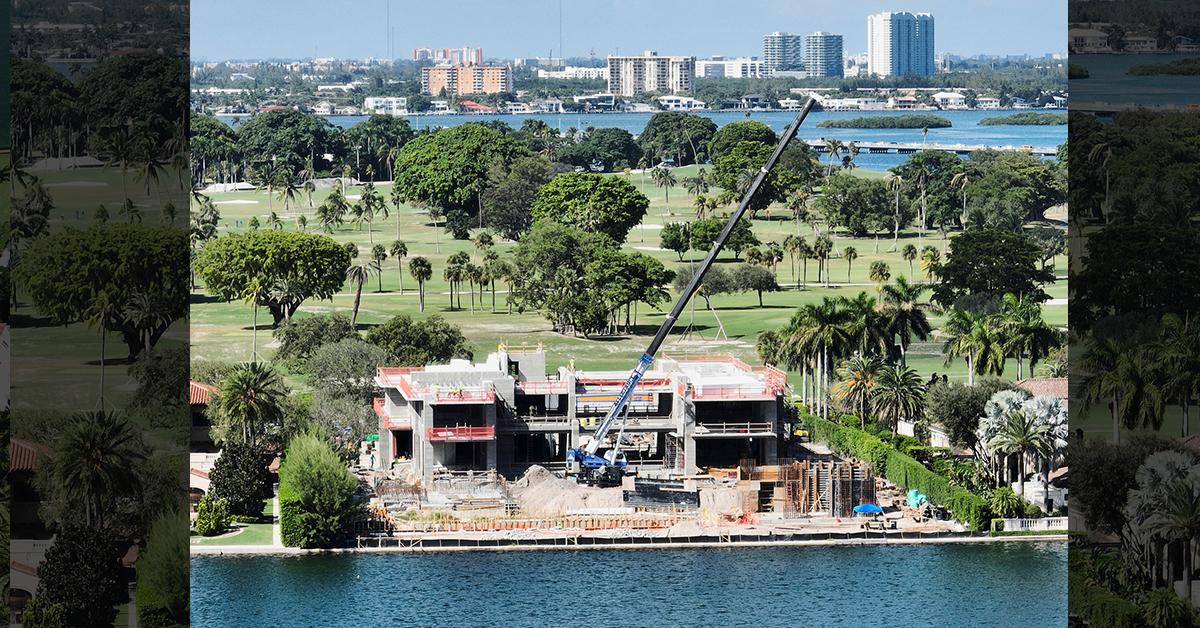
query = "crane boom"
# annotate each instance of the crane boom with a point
(647, 358)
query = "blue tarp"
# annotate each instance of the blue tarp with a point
(868, 509)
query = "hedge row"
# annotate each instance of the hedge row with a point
(291, 530)
(902, 470)
(1099, 606)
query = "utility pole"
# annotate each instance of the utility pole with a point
(562, 58)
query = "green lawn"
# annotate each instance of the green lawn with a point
(222, 331)
(251, 534)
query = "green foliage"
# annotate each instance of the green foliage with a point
(1102, 475)
(958, 407)
(212, 516)
(1099, 606)
(1008, 188)
(1163, 608)
(860, 206)
(448, 168)
(458, 224)
(928, 178)
(251, 265)
(675, 238)
(82, 574)
(1006, 504)
(511, 190)
(1034, 118)
(289, 137)
(730, 135)
(902, 470)
(299, 338)
(1176, 67)
(240, 479)
(412, 342)
(991, 262)
(745, 159)
(131, 279)
(377, 138)
(347, 368)
(42, 614)
(592, 202)
(610, 148)
(705, 231)
(749, 278)
(906, 121)
(681, 136)
(162, 573)
(316, 493)
(148, 87)
(162, 380)
(249, 406)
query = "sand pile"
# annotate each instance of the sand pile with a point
(721, 505)
(540, 492)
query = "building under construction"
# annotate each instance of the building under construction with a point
(507, 413)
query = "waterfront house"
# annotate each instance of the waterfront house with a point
(950, 100)
(987, 102)
(507, 413)
(679, 103)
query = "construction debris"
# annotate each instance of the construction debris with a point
(540, 492)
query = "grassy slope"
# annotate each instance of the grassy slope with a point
(222, 331)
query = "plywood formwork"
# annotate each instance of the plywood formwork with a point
(828, 488)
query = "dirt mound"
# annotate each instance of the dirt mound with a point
(540, 492)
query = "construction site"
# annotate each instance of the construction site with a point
(476, 452)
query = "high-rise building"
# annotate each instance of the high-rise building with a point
(449, 56)
(629, 76)
(461, 80)
(823, 54)
(900, 44)
(782, 51)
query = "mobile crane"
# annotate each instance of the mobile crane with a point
(587, 463)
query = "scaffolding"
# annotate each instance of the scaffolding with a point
(825, 488)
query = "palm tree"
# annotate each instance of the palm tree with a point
(436, 213)
(798, 204)
(289, 191)
(909, 253)
(857, 376)
(454, 273)
(961, 180)
(852, 151)
(421, 270)
(970, 336)
(397, 197)
(804, 252)
(906, 314)
(931, 261)
(1178, 519)
(923, 175)
(302, 224)
(1024, 331)
(1101, 156)
(821, 249)
(379, 255)
(399, 250)
(701, 204)
(309, 189)
(818, 330)
(835, 150)
(849, 254)
(895, 184)
(274, 221)
(865, 326)
(94, 459)
(357, 275)
(899, 395)
(880, 272)
(1018, 434)
(665, 179)
(131, 211)
(696, 185)
(248, 402)
(1179, 345)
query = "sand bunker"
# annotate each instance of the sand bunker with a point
(236, 202)
(540, 492)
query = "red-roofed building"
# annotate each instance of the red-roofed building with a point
(1045, 387)
(471, 106)
(200, 395)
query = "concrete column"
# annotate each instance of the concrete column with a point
(489, 419)
(423, 457)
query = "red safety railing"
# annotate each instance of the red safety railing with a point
(486, 432)
(458, 395)
(717, 393)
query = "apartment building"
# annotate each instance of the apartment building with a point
(823, 55)
(782, 51)
(507, 413)
(449, 56)
(461, 80)
(575, 72)
(629, 76)
(900, 44)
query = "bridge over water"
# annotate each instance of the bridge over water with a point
(905, 148)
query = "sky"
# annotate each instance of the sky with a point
(257, 29)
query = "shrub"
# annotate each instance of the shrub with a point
(1100, 607)
(162, 574)
(240, 477)
(316, 492)
(299, 338)
(1163, 608)
(1005, 503)
(212, 516)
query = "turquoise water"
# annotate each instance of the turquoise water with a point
(965, 129)
(1108, 81)
(983, 585)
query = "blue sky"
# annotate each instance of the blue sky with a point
(228, 29)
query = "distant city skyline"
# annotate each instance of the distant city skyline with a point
(223, 29)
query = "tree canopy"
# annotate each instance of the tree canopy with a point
(378, 140)
(290, 137)
(991, 262)
(858, 205)
(511, 190)
(132, 279)
(412, 342)
(610, 148)
(253, 264)
(592, 202)
(733, 133)
(681, 136)
(747, 158)
(449, 167)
